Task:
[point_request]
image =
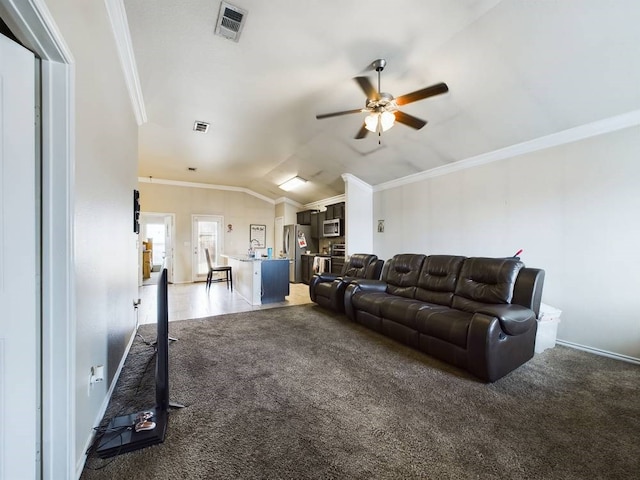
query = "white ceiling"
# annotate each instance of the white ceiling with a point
(516, 69)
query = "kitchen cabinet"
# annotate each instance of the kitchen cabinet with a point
(316, 224)
(304, 217)
(335, 210)
(260, 281)
(306, 265)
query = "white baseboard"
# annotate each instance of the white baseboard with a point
(597, 351)
(103, 408)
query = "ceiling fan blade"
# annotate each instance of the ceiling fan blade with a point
(409, 120)
(337, 114)
(368, 89)
(362, 132)
(431, 91)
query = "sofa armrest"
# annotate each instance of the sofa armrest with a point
(360, 285)
(528, 289)
(317, 278)
(369, 285)
(514, 319)
(326, 276)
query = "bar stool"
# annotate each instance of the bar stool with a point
(222, 268)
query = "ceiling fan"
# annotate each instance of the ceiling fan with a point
(383, 107)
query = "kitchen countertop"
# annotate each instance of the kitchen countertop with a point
(247, 258)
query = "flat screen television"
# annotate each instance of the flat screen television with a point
(121, 435)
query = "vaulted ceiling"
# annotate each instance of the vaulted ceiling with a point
(517, 70)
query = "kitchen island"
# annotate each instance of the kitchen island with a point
(260, 280)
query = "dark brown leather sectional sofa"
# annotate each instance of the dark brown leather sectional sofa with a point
(327, 289)
(476, 313)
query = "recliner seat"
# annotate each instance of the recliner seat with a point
(327, 289)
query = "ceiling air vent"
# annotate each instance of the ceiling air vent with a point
(201, 127)
(230, 21)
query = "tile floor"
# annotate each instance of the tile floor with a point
(192, 300)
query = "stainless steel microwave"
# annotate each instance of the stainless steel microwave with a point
(332, 228)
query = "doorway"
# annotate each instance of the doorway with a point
(207, 233)
(157, 233)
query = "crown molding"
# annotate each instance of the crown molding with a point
(209, 186)
(289, 201)
(348, 177)
(575, 134)
(32, 23)
(325, 201)
(120, 28)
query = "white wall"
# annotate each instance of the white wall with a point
(358, 216)
(105, 144)
(572, 208)
(287, 209)
(238, 208)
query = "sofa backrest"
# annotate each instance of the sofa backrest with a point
(485, 281)
(528, 289)
(374, 270)
(438, 279)
(357, 265)
(401, 273)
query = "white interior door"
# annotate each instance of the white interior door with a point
(19, 272)
(207, 232)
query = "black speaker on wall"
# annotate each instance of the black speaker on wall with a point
(136, 211)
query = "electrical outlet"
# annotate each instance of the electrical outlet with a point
(96, 375)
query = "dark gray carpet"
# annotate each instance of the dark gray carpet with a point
(298, 392)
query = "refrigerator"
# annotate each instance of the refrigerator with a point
(296, 241)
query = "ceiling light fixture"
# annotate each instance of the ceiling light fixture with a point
(379, 121)
(292, 183)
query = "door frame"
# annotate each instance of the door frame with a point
(194, 217)
(172, 235)
(33, 25)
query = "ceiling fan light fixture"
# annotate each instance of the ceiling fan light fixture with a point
(386, 120)
(292, 183)
(371, 122)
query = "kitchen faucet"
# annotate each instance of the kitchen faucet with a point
(251, 247)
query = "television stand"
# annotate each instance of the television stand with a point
(121, 436)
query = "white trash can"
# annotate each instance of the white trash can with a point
(548, 321)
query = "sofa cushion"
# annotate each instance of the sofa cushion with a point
(370, 302)
(402, 272)
(447, 324)
(485, 280)
(438, 278)
(404, 310)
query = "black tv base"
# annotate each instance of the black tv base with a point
(121, 436)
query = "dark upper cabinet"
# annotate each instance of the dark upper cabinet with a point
(316, 224)
(304, 217)
(335, 211)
